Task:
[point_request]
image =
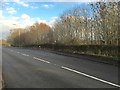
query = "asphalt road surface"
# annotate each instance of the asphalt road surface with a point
(26, 68)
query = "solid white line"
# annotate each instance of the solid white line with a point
(41, 60)
(98, 79)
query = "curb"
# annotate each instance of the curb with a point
(99, 59)
(1, 81)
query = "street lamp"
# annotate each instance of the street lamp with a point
(18, 33)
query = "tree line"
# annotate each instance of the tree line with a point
(82, 29)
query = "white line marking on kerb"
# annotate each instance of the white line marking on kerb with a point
(98, 79)
(41, 60)
(24, 54)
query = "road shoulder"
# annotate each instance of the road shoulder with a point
(0, 68)
(94, 58)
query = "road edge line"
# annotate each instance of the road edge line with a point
(90, 76)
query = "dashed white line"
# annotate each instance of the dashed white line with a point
(24, 54)
(11, 50)
(41, 60)
(18, 52)
(75, 71)
(95, 78)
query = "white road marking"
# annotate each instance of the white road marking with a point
(41, 60)
(11, 50)
(78, 72)
(98, 79)
(18, 52)
(24, 54)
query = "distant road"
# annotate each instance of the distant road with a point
(25, 68)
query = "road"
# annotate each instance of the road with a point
(26, 68)
(0, 67)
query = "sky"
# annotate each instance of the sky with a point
(23, 13)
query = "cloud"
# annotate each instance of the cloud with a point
(43, 21)
(22, 3)
(15, 18)
(64, 0)
(25, 17)
(56, 17)
(5, 26)
(47, 5)
(34, 7)
(7, 3)
(1, 16)
(24, 20)
(11, 10)
(0, 12)
(7, 23)
(53, 21)
(75, 0)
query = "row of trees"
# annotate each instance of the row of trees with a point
(4, 43)
(77, 27)
(97, 25)
(37, 34)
